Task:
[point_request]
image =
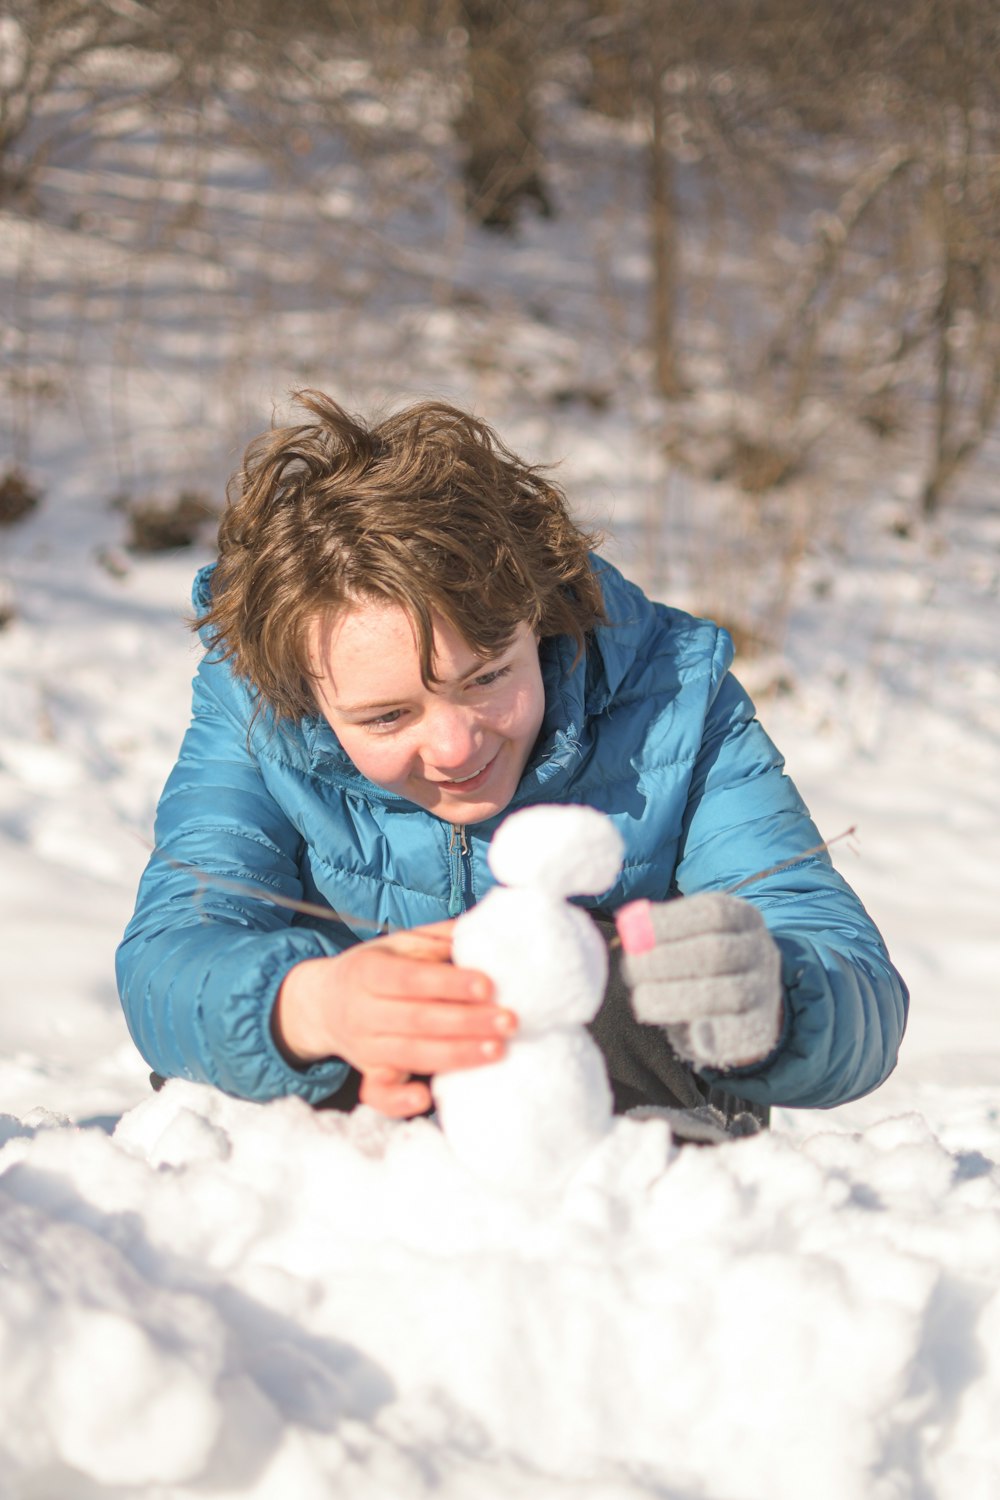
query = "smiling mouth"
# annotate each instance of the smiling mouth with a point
(467, 781)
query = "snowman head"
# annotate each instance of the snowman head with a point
(559, 849)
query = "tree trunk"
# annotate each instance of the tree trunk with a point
(663, 246)
(503, 164)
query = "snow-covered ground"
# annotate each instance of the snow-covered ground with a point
(200, 1296)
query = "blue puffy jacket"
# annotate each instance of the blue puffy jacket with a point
(649, 727)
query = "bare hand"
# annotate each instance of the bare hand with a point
(392, 1008)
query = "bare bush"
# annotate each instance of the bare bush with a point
(876, 129)
(18, 496)
(156, 525)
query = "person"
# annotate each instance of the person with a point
(407, 638)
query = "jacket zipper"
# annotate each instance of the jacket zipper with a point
(458, 855)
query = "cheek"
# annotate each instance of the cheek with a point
(509, 715)
(527, 710)
(381, 761)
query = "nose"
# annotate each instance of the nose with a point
(454, 740)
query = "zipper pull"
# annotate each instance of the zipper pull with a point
(455, 903)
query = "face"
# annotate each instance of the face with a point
(458, 747)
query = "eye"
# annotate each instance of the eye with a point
(388, 720)
(488, 678)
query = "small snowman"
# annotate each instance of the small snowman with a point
(527, 1122)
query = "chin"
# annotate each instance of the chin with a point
(485, 810)
(477, 809)
(472, 812)
(480, 805)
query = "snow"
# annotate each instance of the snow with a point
(224, 1295)
(200, 1296)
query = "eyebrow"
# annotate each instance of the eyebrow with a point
(483, 665)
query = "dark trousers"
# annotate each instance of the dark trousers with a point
(643, 1069)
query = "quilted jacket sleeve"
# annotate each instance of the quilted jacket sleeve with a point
(845, 1004)
(199, 966)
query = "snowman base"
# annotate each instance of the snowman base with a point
(527, 1122)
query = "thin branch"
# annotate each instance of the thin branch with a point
(208, 879)
(787, 864)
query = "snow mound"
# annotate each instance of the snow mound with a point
(232, 1298)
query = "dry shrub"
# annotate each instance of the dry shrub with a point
(161, 525)
(757, 466)
(596, 397)
(749, 640)
(18, 496)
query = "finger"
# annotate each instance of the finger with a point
(389, 974)
(709, 955)
(665, 1004)
(423, 1055)
(392, 1092)
(432, 942)
(437, 1019)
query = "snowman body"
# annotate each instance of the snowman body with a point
(526, 1122)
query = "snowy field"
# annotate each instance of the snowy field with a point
(201, 1297)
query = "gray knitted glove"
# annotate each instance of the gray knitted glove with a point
(706, 968)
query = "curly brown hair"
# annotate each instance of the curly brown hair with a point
(426, 509)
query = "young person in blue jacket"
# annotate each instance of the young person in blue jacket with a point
(408, 638)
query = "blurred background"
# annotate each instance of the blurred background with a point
(723, 257)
